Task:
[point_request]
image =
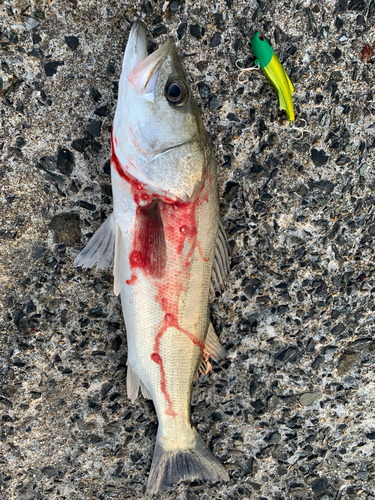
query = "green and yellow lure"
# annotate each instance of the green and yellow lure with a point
(271, 66)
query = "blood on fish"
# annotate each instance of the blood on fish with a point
(162, 220)
(156, 358)
(201, 252)
(148, 246)
(133, 279)
(169, 321)
(138, 190)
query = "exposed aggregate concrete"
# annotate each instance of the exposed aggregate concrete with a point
(291, 412)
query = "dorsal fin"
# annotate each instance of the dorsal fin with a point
(221, 264)
(212, 349)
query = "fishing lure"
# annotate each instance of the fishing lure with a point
(271, 66)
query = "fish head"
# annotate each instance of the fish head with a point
(159, 133)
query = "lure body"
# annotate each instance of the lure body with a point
(274, 71)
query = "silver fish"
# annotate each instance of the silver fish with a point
(162, 239)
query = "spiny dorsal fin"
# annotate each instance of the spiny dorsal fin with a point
(221, 264)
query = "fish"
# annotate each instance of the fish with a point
(168, 250)
(274, 71)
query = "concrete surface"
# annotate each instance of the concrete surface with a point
(291, 412)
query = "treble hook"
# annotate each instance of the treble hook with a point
(300, 129)
(245, 70)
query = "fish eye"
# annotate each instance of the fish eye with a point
(176, 92)
(261, 38)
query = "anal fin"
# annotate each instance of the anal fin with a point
(133, 383)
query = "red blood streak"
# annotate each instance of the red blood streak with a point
(201, 252)
(169, 321)
(132, 280)
(156, 358)
(178, 223)
(138, 189)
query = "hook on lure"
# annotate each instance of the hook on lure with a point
(243, 70)
(301, 130)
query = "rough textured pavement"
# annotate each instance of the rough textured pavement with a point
(291, 412)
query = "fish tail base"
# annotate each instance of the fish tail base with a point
(196, 463)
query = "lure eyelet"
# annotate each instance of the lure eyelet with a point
(176, 92)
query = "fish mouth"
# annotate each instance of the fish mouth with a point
(143, 76)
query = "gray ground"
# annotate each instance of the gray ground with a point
(291, 413)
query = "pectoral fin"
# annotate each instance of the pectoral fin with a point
(101, 247)
(105, 249)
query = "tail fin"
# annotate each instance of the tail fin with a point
(170, 467)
